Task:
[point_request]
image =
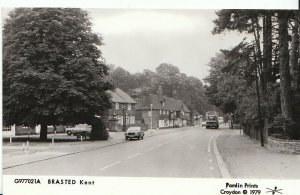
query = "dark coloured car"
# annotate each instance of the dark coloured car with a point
(134, 132)
(212, 122)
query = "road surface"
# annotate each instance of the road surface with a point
(185, 154)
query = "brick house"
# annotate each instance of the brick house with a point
(122, 111)
(164, 112)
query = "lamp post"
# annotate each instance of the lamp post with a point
(232, 115)
(151, 115)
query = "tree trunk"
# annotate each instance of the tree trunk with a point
(294, 57)
(43, 132)
(267, 49)
(267, 58)
(298, 75)
(285, 80)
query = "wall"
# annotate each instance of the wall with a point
(284, 146)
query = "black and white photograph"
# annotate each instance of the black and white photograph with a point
(129, 96)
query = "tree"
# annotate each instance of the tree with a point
(172, 82)
(285, 80)
(53, 72)
(275, 57)
(123, 79)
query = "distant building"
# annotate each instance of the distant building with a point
(159, 111)
(122, 111)
(197, 118)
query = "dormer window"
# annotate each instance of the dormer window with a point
(117, 106)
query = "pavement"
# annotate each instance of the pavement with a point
(18, 153)
(245, 158)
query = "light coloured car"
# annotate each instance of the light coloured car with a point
(134, 132)
(80, 129)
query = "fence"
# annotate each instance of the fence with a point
(8, 130)
(253, 131)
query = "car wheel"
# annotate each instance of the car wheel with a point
(142, 137)
(126, 138)
(69, 133)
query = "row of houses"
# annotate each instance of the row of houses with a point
(150, 111)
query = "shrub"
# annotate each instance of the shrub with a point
(99, 131)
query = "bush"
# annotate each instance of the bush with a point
(99, 131)
(283, 128)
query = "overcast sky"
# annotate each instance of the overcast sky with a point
(138, 39)
(143, 39)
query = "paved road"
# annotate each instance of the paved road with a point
(186, 154)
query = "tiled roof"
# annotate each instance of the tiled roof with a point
(196, 113)
(120, 96)
(171, 104)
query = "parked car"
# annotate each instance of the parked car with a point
(80, 129)
(134, 132)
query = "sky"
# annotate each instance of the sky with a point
(141, 34)
(138, 39)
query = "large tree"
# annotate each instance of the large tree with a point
(275, 56)
(285, 80)
(53, 71)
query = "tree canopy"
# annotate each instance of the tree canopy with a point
(53, 71)
(265, 67)
(173, 83)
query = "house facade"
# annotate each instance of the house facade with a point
(157, 111)
(122, 111)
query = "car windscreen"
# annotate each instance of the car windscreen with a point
(134, 129)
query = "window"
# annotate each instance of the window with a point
(132, 120)
(120, 119)
(117, 106)
(129, 107)
(149, 113)
(160, 111)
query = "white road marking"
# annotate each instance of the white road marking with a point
(211, 140)
(108, 166)
(211, 168)
(209, 143)
(149, 149)
(158, 145)
(132, 156)
(210, 160)
(222, 167)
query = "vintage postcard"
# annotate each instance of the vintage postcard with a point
(150, 100)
